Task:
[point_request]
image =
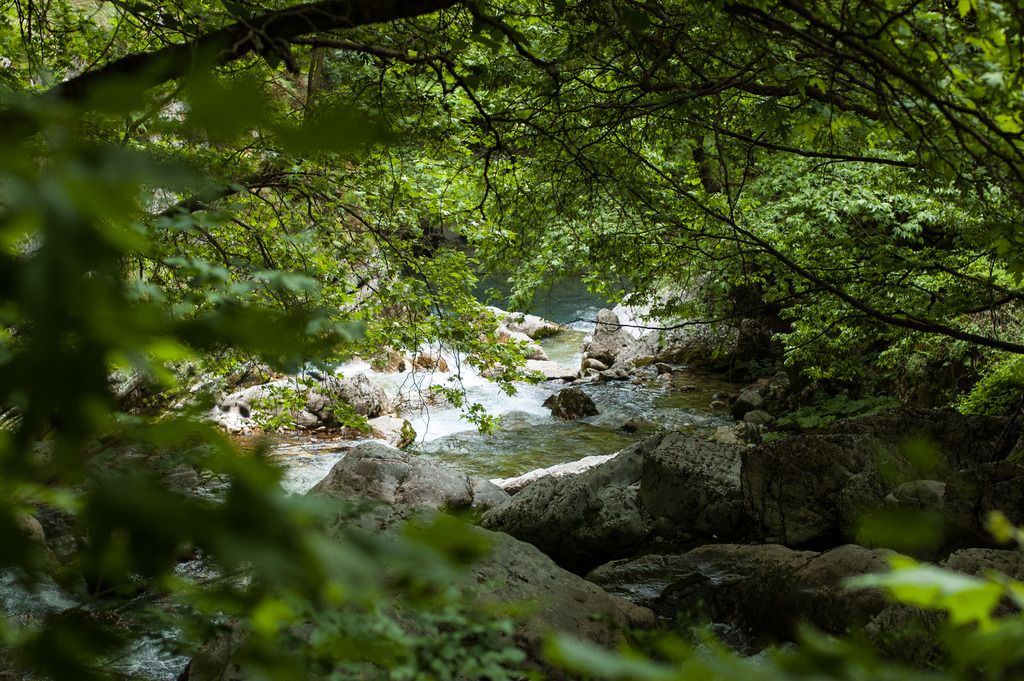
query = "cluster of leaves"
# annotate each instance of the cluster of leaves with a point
(1000, 390)
(828, 409)
(861, 164)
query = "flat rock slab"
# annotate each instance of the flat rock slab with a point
(517, 483)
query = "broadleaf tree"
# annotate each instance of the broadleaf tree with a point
(178, 178)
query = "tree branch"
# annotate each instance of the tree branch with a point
(268, 32)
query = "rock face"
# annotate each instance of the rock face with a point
(814, 489)
(972, 494)
(766, 588)
(571, 404)
(672, 488)
(379, 472)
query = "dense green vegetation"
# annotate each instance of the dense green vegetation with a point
(179, 178)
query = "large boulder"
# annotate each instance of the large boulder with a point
(766, 588)
(666, 489)
(813, 489)
(510, 576)
(362, 394)
(608, 339)
(972, 494)
(571, 404)
(378, 472)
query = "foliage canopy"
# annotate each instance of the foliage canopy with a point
(178, 178)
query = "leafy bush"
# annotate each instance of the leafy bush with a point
(999, 391)
(826, 410)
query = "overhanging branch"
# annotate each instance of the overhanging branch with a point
(268, 33)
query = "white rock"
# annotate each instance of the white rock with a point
(513, 485)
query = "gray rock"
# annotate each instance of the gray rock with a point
(397, 432)
(487, 495)
(750, 399)
(608, 339)
(664, 489)
(758, 417)
(571, 404)
(595, 364)
(813, 487)
(691, 483)
(740, 434)
(924, 495)
(510, 574)
(365, 397)
(616, 373)
(912, 635)
(531, 325)
(243, 410)
(977, 562)
(533, 350)
(376, 471)
(971, 495)
(767, 588)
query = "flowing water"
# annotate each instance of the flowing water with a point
(527, 437)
